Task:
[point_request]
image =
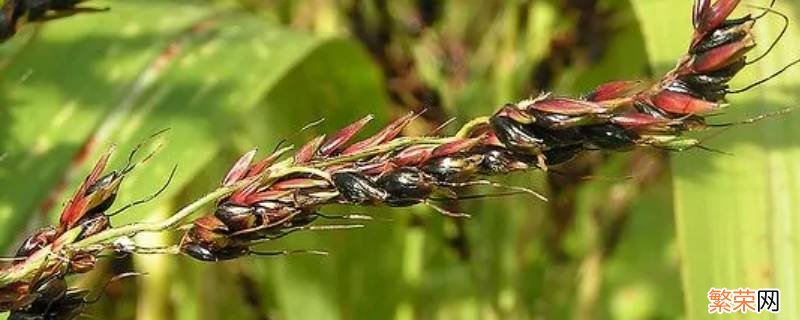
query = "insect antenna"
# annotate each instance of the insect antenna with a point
(775, 42)
(148, 198)
(267, 225)
(479, 196)
(593, 176)
(287, 252)
(727, 126)
(712, 150)
(353, 216)
(496, 185)
(762, 81)
(441, 127)
(444, 211)
(130, 165)
(753, 119)
(698, 144)
(303, 129)
(288, 231)
(109, 281)
(770, 6)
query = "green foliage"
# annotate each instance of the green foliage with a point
(223, 80)
(737, 214)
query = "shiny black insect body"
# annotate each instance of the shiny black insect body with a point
(8, 19)
(357, 188)
(93, 224)
(212, 254)
(16, 12)
(534, 138)
(651, 110)
(36, 241)
(731, 31)
(496, 160)
(105, 182)
(52, 300)
(67, 307)
(516, 135)
(713, 86)
(236, 217)
(406, 186)
(560, 155)
(453, 168)
(609, 137)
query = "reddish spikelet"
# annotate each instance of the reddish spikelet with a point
(723, 56)
(210, 223)
(239, 169)
(454, 147)
(491, 139)
(262, 165)
(615, 90)
(76, 208)
(708, 17)
(511, 111)
(569, 107)
(698, 12)
(267, 195)
(335, 142)
(307, 152)
(388, 133)
(299, 183)
(412, 155)
(683, 104)
(240, 196)
(639, 120)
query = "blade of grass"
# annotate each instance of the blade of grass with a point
(737, 215)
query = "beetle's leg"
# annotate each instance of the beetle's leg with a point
(148, 198)
(111, 280)
(130, 164)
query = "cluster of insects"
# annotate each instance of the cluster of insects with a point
(15, 13)
(279, 195)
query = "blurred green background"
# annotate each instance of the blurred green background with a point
(639, 235)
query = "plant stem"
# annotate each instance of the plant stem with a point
(135, 228)
(37, 261)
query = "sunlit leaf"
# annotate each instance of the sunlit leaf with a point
(737, 215)
(221, 81)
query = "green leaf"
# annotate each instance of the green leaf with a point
(222, 81)
(737, 216)
(118, 77)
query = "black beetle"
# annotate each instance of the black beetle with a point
(406, 186)
(357, 188)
